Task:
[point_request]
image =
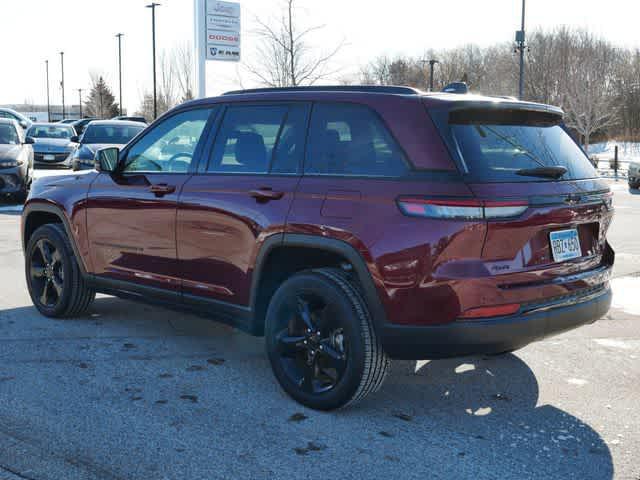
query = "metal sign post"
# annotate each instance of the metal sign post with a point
(217, 36)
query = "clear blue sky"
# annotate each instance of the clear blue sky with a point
(35, 30)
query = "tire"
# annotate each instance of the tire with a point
(67, 292)
(336, 362)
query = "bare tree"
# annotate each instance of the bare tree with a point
(285, 56)
(182, 59)
(168, 95)
(588, 98)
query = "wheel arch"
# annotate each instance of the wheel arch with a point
(35, 215)
(301, 252)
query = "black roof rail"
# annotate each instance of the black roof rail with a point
(398, 90)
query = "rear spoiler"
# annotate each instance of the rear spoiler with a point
(505, 113)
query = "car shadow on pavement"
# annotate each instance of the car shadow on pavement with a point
(495, 399)
(634, 191)
(479, 414)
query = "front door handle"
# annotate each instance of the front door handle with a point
(161, 189)
(265, 194)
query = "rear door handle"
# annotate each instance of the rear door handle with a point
(161, 189)
(265, 194)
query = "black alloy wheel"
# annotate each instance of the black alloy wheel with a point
(312, 346)
(47, 274)
(55, 281)
(320, 340)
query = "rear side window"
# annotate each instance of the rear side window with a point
(347, 139)
(260, 139)
(508, 149)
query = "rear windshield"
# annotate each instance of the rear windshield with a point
(117, 134)
(495, 151)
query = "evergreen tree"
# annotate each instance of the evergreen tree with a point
(101, 102)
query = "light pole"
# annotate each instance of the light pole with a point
(520, 46)
(46, 63)
(62, 81)
(80, 96)
(153, 6)
(432, 62)
(119, 36)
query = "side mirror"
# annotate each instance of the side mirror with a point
(29, 141)
(106, 159)
(24, 124)
(75, 139)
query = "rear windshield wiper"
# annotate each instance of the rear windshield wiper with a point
(545, 172)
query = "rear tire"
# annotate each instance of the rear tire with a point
(56, 285)
(320, 340)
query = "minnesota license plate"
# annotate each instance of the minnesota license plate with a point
(49, 157)
(565, 245)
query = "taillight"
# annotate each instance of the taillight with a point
(491, 311)
(461, 209)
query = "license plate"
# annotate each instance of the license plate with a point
(49, 157)
(565, 245)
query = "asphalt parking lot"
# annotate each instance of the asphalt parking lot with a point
(136, 392)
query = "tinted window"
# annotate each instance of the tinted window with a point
(494, 152)
(290, 147)
(246, 140)
(50, 131)
(115, 134)
(351, 140)
(170, 145)
(8, 134)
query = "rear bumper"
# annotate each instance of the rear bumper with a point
(494, 335)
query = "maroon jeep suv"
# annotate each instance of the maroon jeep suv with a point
(348, 225)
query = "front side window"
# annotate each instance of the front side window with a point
(8, 134)
(347, 139)
(170, 146)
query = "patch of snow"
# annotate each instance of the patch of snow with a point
(576, 381)
(625, 294)
(465, 367)
(612, 343)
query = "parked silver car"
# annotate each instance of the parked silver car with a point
(16, 160)
(54, 143)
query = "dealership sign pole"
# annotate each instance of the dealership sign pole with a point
(217, 36)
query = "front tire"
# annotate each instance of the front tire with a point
(320, 340)
(54, 279)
